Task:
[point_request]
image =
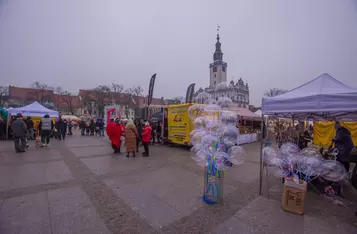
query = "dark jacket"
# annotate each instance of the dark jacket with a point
(343, 142)
(99, 124)
(82, 124)
(139, 128)
(19, 128)
(29, 123)
(60, 124)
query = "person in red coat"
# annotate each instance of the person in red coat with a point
(145, 138)
(114, 132)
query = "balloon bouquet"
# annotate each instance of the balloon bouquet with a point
(214, 140)
(302, 166)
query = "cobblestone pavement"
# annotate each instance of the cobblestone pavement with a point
(79, 186)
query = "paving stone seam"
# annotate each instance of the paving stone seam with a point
(30, 162)
(115, 213)
(49, 212)
(5, 194)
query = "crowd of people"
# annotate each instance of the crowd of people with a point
(131, 134)
(127, 133)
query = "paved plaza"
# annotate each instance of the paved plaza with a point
(79, 186)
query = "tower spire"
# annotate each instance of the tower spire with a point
(218, 55)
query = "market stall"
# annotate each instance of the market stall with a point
(35, 110)
(249, 125)
(322, 99)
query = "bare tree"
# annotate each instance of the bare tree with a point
(41, 91)
(102, 96)
(68, 99)
(4, 94)
(59, 90)
(135, 91)
(117, 88)
(275, 92)
(87, 101)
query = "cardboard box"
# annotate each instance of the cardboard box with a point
(294, 196)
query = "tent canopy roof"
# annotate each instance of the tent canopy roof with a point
(244, 113)
(34, 109)
(322, 98)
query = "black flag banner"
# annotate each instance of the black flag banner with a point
(189, 93)
(151, 88)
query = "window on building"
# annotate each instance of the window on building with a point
(224, 69)
(214, 82)
(214, 75)
(214, 69)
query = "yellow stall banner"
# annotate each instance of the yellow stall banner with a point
(325, 131)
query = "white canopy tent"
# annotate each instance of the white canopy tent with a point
(323, 98)
(34, 109)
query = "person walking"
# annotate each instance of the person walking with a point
(60, 126)
(130, 135)
(45, 127)
(146, 137)
(30, 128)
(70, 126)
(19, 131)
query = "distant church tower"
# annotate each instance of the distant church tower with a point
(218, 69)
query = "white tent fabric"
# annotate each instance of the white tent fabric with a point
(258, 112)
(34, 109)
(70, 117)
(323, 98)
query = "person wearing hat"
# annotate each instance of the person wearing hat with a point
(19, 131)
(45, 127)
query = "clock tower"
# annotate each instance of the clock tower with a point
(218, 69)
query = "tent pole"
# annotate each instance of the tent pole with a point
(261, 156)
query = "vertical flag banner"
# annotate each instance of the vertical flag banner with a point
(151, 88)
(190, 92)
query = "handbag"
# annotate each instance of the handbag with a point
(134, 132)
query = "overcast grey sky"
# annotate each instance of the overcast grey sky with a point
(82, 43)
